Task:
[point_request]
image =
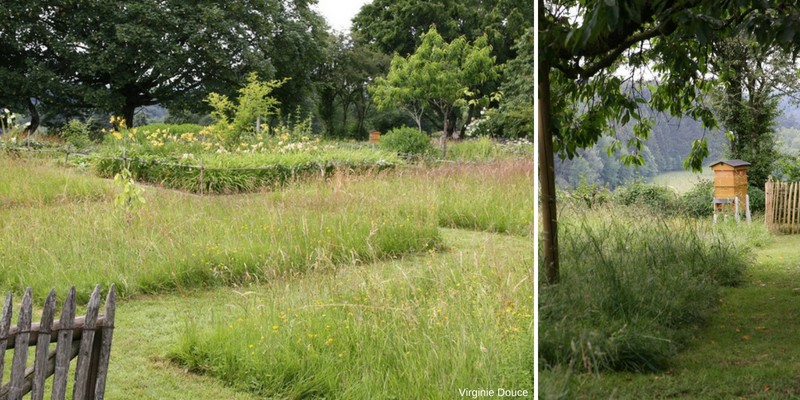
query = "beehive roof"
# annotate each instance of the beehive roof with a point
(732, 163)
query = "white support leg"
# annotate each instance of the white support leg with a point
(747, 210)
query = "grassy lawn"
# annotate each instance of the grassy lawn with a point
(682, 181)
(749, 348)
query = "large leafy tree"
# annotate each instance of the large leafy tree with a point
(439, 75)
(349, 68)
(754, 78)
(121, 55)
(514, 114)
(397, 26)
(582, 44)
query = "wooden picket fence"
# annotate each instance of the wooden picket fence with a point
(782, 206)
(88, 338)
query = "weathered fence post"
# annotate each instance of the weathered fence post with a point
(768, 203)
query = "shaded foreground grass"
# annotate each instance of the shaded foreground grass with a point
(633, 288)
(419, 327)
(749, 349)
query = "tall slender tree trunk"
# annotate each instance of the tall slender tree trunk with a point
(549, 218)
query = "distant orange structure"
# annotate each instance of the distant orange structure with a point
(374, 137)
(730, 187)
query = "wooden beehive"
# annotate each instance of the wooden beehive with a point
(374, 137)
(730, 179)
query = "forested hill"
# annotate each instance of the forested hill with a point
(667, 147)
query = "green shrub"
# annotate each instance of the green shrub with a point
(76, 134)
(406, 141)
(757, 199)
(697, 201)
(654, 196)
(591, 195)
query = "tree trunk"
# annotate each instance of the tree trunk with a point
(345, 109)
(127, 113)
(362, 115)
(547, 177)
(31, 129)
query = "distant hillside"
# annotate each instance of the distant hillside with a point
(669, 144)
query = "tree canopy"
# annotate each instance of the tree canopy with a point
(121, 55)
(439, 76)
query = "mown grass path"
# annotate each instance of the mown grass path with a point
(749, 350)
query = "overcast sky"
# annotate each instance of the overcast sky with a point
(340, 12)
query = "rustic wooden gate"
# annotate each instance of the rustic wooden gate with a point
(87, 337)
(782, 206)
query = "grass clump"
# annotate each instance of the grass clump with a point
(172, 129)
(496, 197)
(424, 327)
(27, 183)
(485, 149)
(633, 288)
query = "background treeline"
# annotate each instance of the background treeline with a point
(152, 62)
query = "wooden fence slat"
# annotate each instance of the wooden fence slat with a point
(5, 325)
(793, 207)
(789, 202)
(21, 347)
(767, 198)
(779, 217)
(790, 208)
(82, 368)
(99, 371)
(50, 367)
(63, 348)
(785, 205)
(770, 187)
(42, 347)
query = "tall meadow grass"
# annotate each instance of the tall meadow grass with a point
(179, 241)
(27, 184)
(634, 286)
